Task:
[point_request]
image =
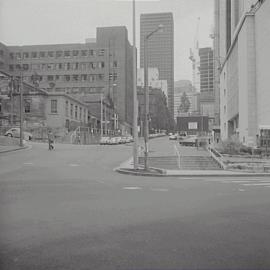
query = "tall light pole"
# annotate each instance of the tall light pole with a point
(21, 104)
(135, 101)
(146, 96)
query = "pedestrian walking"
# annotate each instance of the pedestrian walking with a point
(50, 140)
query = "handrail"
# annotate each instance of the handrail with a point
(217, 157)
(178, 155)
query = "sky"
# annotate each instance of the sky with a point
(31, 22)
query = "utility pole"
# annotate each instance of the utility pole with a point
(135, 100)
(101, 115)
(21, 108)
(146, 105)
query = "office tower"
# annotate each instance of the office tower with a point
(160, 48)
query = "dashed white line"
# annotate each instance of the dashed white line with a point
(74, 165)
(28, 163)
(257, 184)
(160, 189)
(132, 188)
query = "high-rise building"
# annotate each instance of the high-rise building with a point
(207, 98)
(243, 41)
(160, 48)
(99, 66)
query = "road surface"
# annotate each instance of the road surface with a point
(67, 209)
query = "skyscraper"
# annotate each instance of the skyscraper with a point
(160, 48)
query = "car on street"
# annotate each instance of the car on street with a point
(104, 140)
(15, 133)
(173, 137)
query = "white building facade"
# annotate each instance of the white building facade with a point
(244, 72)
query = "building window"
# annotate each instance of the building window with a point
(34, 54)
(101, 52)
(76, 112)
(92, 52)
(75, 77)
(25, 55)
(80, 113)
(44, 67)
(11, 55)
(84, 53)
(59, 54)
(50, 77)
(66, 109)
(67, 66)
(11, 67)
(84, 77)
(92, 78)
(57, 77)
(71, 110)
(53, 106)
(100, 77)
(115, 64)
(25, 66)
(83, 66)
(50, 66)
(224, 109)
(224, 92)
(27, 106)
(51, 53)
(18, 55)
(114, 76)
(75, 53)
(67, 78)
(18, 67)
(75, 66)
(66, 54)
(41, 54)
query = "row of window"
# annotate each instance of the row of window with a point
(62, 66)
(57, 54)
(75, 78)
(75, 112)
(80, 90)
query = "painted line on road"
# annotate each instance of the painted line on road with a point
(74, 165)
(240, 189)
(159, 189)
(132, 188)
(257, 184)
(28, 163)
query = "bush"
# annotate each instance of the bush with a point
(231, 146)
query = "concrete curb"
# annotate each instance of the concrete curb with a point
(15, 149)
(126, 168)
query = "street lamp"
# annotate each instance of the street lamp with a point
(146, 96)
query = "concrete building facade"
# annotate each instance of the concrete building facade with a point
(104, 66)
(160, 48)
(244, 85)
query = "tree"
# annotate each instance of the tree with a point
(185, 104)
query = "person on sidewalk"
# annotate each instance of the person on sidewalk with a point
(50, 140)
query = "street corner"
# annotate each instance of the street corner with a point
(155, 172)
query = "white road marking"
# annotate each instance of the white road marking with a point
(74, 165)
(257, 184)
(159, 189)
(240, 189)
(28, 163)
(132, 188)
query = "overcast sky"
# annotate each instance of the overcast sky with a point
(27, 22)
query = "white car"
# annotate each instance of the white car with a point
(15, 133)
(104, 140)
(173, 137)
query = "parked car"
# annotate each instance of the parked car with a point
(15, 133)
(173, 137)
(104, 140)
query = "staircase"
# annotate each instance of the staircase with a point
(198, 163)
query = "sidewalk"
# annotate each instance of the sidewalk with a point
(162, 148)
(11, 148)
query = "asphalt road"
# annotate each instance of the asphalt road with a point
(67, 209)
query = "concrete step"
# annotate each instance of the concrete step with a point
(198, 163)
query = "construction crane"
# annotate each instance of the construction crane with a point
(194, 55)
